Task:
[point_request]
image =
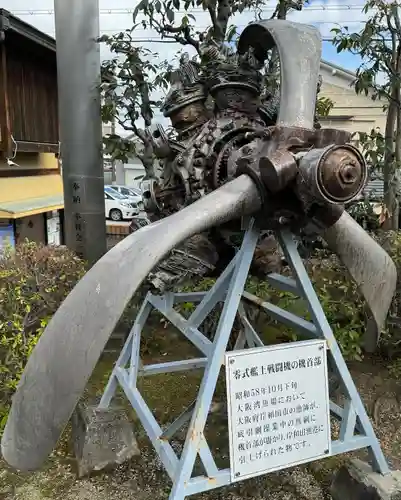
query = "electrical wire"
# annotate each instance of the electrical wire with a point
(154, 39)
(239, 26)
(124, 11)
(157, 39)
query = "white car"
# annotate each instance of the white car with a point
(118, 207)
(134, 195)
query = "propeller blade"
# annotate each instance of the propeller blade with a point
(66, 355)
(371, 268)
(299, 69)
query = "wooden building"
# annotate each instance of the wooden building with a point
(31, 189)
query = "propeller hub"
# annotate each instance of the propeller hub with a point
(342, 173)
(348, 174)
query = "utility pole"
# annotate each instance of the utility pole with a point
(78, 70)
(113, 161)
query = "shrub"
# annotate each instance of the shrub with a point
(338, 294)
(342, 303)
(34, 280)
(363, 213)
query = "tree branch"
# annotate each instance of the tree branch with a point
(223, 15)
(212, 14)
(125, 126)
(180, 34)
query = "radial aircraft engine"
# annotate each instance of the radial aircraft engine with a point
(247, 155)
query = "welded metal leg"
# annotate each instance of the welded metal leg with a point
(208, 385)
(129, 353)
(354, 408)
(251, 338)
(228, 288)
(356, 430)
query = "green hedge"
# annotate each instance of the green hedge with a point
(34, 280)
(339, 296)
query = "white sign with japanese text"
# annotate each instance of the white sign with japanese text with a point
(278, 407)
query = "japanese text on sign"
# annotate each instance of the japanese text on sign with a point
(278, 407)
(78, 221)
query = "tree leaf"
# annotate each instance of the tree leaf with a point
(170, 15)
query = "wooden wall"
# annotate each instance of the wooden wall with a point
(29, 92)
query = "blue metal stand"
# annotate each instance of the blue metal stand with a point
(356, 430)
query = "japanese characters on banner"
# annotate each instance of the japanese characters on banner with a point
(278, 407)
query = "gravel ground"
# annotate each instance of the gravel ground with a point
(144, 479)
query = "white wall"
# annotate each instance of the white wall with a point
(131, 174)
(334, 75)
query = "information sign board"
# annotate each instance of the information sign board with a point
(278, 407)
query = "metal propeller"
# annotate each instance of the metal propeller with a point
(63, 360)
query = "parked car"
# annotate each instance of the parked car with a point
(134, 195)
(118, 207)
(137, 222)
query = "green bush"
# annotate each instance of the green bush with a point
(363, 213)
(342, 302)
(34, 280)
(338, 294)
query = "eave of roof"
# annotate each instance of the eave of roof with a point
(346, 73)
(337, 117)
(32, 206)
(8, 22)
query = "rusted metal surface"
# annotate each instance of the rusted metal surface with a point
(304, 175)
(335, 174)
(343, 173)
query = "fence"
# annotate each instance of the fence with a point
(115, 233)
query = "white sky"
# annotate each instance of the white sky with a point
(116, 15)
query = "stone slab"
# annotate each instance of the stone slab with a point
(358, 481)
(102, 438)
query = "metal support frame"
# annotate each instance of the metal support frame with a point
(356, 430)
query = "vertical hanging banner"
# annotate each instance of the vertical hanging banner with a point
(278, 407)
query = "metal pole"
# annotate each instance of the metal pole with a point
(78, 69)
(113, 162)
